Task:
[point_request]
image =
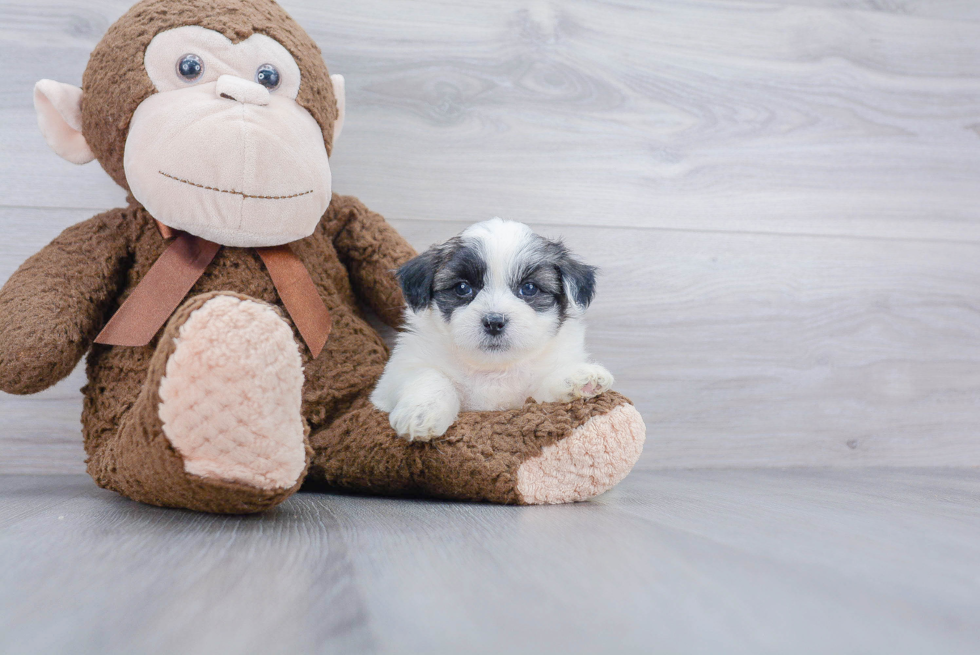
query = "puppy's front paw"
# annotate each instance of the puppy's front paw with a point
(420, 421)
(592, 381)
(585, 381)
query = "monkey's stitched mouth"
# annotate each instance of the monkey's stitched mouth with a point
(236, 193)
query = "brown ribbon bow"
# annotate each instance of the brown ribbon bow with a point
(183, 263)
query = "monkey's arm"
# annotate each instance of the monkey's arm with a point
(52, 307)
(371, 250)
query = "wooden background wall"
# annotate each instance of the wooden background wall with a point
(784, 198)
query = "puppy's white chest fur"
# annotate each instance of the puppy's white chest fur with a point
(482, 391)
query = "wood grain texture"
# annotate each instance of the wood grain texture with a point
(750, 561)
(782, 196)
(841, 118)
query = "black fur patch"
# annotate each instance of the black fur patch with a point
(544, 275)
(462, 262)
(581, 278)
(433, 276)
(415, 277)
(560, 277)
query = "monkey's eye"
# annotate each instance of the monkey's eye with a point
(268, 76)
(463, 289)
(190, 67)
(529, 289)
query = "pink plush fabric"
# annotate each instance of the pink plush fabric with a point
(59, 116)
(596, 456)
(230, 400)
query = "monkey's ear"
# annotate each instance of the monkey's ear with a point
(59, 115)
(338, 93)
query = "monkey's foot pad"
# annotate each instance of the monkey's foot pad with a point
(231, 395)
(592, 459)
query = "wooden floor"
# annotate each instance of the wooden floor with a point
(783, 196)
(701, 561)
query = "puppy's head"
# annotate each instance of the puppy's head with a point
(499, 290)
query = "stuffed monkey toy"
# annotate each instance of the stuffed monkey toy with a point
(229, 360)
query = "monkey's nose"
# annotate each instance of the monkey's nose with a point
(243, 91)
(494, 323)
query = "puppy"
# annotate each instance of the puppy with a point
(494, 317)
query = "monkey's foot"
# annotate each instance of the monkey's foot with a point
(231, 395)
(592, 458)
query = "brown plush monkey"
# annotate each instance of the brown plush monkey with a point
(204, 305)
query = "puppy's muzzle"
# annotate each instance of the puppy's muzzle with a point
(494, 324)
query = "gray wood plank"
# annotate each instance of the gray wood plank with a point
(760, 561)
(824, 118)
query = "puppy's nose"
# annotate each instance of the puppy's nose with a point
(240, 90)
(494, 323)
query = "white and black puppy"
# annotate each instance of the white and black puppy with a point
(494, 317)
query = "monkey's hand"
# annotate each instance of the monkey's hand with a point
(53, 305)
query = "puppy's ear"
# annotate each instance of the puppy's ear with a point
(416, 277)
(578, 279)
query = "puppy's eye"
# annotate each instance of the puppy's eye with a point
(190, 67)
(463, 289)
(268, 76)
(529, 289)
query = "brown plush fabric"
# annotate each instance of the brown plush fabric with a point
(476, 460)
(115, 82)
(52, 307)
(353, 357)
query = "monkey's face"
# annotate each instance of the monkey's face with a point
(218, 116)
(223, 150)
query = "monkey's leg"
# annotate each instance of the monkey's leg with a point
(217, 426)
(539, 454)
